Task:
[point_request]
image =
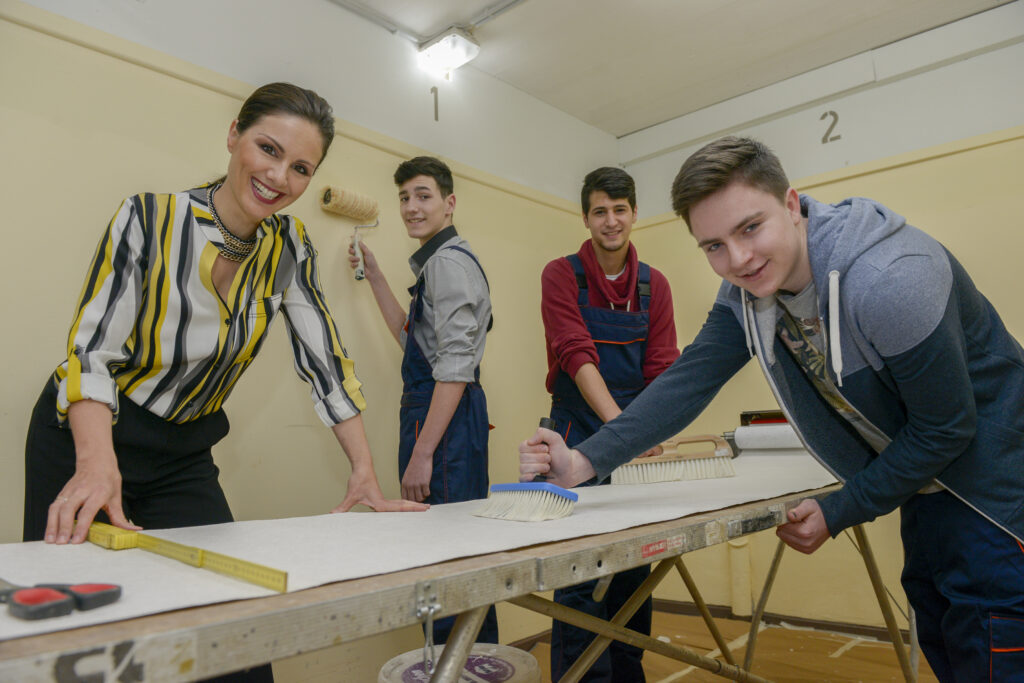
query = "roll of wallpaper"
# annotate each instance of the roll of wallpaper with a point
(767, 437)
(348, 203)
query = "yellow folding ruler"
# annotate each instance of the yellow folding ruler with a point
(114, 538)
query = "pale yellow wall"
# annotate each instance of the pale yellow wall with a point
(967, 195)
(82, 127)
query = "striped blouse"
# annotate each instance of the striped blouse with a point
(151, 324)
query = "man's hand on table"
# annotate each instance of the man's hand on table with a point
(806, 529)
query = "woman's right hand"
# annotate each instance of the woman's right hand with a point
(95, 486)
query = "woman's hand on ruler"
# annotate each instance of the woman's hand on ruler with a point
(95, 486)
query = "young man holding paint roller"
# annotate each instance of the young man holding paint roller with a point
(896, 372)
(609, 331)
(442, 451)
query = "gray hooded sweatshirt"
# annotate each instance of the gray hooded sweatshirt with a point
(915, 348)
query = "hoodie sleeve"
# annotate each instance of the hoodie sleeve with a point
(676, 397)
(911, 317)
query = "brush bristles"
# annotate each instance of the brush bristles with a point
(639, 472)
(527, 504)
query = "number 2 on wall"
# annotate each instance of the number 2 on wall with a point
(828, 137)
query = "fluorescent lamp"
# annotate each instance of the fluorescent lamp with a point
(448, 51)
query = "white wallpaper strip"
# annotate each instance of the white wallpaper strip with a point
(328, 548)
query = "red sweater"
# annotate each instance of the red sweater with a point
(569, 345)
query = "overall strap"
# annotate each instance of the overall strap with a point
(581, 279)
(643, 282)
(643, 285)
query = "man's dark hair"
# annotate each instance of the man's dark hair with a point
(428, 166)
(719, 163)
(614, 182)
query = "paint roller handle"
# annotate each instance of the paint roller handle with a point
(361, 268)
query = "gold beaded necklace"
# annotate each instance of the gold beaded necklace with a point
(234, 248)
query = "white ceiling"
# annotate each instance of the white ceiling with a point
(625, 65)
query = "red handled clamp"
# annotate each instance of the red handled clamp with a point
(55, 600)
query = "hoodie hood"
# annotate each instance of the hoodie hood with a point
(837, 234)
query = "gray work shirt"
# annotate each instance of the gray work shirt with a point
(456, 307)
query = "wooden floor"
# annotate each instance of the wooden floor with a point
(784, 655)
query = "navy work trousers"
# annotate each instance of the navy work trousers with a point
(964, 578)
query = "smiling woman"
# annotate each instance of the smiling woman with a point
(177, 301)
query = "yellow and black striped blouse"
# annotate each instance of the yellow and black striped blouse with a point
(151, 324)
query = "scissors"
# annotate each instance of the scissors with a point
(56, 599)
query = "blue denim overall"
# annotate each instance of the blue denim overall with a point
(621, 341)
(460, 460)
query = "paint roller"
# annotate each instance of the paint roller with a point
(355, 206)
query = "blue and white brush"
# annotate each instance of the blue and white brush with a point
(532, 501)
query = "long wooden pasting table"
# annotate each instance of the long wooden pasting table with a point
(205, 641)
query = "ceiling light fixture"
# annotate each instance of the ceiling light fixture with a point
(447, 51)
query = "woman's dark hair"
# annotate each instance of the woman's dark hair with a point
(285, 98)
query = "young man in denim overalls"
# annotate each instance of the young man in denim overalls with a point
(442, 450)
(610, 331)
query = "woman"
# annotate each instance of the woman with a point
(176, 304)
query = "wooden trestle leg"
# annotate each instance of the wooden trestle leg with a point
(623, 635)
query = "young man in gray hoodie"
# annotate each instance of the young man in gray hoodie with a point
(898, 375)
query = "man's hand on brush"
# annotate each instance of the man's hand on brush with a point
(652, 452)
(546, 454)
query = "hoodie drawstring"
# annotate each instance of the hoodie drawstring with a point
(833, 325)
(746, 323)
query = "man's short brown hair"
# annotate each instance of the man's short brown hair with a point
(428, 166)
(718, 163)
